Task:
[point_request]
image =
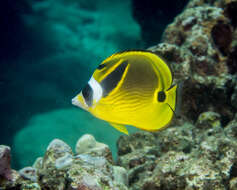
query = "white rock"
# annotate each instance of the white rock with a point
(38, 163)
(85, 144)
(5, 160)
(59, 145)
(64, 162)
(29, 173)
(120, 175)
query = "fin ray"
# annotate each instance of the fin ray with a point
(173, 99)
(179, 98)
(120, 127)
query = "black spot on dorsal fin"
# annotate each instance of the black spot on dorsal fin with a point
(111, 81)
(161, 96)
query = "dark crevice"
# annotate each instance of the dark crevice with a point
(153, 17)
(216, 99)
(233, 171)
(230, 11)
(12, 35)
(232, 61)
(222, 36)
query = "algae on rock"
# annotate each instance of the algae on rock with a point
(200, 46)
(61, 169)
(201, 156)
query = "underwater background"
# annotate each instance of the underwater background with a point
(48, 51)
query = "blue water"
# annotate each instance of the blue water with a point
(48, 51)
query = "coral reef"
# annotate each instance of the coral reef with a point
(199, 151)
(61, 169)
(200, 156)
(196, 156)
(5, 160)
(200, 46)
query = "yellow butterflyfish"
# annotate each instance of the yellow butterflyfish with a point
(131, 88)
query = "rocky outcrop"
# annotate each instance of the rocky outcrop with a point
(200, 46)
(91, 168)
(199, 151)
(200, 156)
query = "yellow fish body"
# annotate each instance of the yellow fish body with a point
(131, 88)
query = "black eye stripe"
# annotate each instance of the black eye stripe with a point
(161, 96)
(101, 66)
(111, 81)
(87, 93)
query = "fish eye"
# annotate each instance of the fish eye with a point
(87, 93)
(101, 66)
(161, 96)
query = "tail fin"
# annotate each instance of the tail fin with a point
(174, 98)
(179, 96)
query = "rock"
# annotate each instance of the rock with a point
(120, 175)
(88, 145)
(96, 161)
(15, 181)
(209, 120)
(57, 149)
(30, 186)
(60, 169)
(234, 98)
(38, 163)
(64, 162)
(9, 178)
(179, 171)
(68, 128)
(200, 156)
(85, 143)
(200, 46)
(231, 128)
(233, 183)
(84, 171)
(84, 177)
(55, 159)
(5, 162)
(137, 141)
(29, 173)
(181, 157)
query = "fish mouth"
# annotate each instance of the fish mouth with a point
(75, 102)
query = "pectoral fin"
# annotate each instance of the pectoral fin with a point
(120, 127)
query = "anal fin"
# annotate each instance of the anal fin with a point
(120, 127)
